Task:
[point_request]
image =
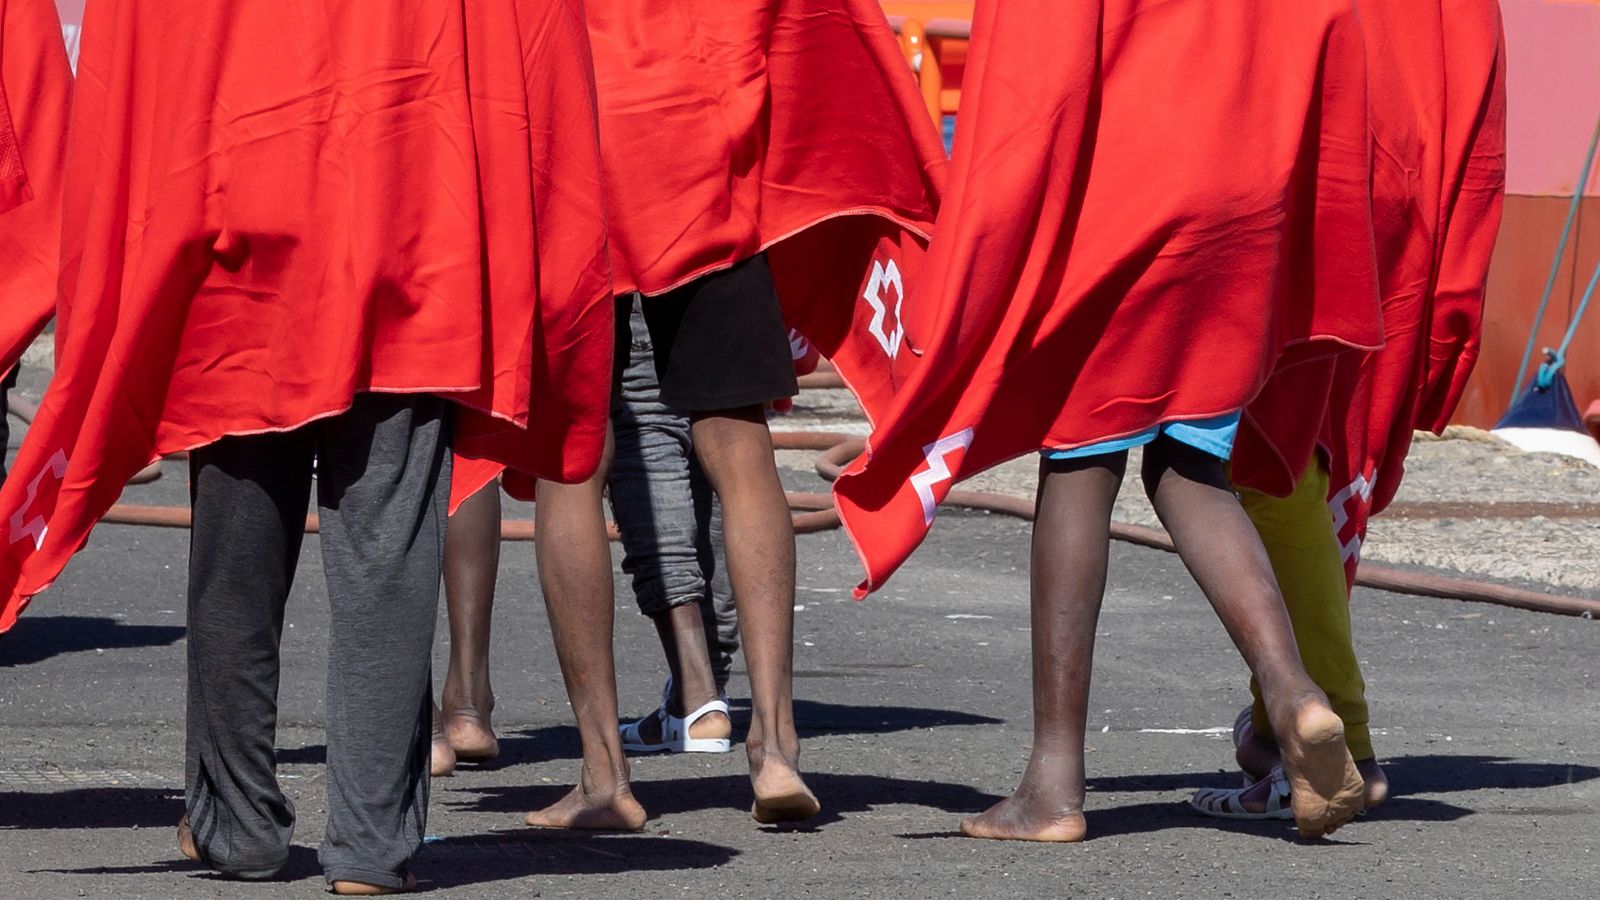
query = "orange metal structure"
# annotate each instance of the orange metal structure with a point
(1553, 53)
(1554, 49)
(934, 36)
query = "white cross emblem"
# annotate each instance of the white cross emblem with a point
(1339, 504)
(799, 347)
(884, 279)
(937, 470)
(35, 527)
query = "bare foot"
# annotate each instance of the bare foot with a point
(362, 889)
(186, 844)
(781, 794)
(586, 811)
(442, 757)
(1256, 755)
(147, 474)
(1377, 782)
(1254, 798)
(1019, 818)
(470, 735)
(1326, 791)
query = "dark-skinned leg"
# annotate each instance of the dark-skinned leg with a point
(1071, 542)
(574, 559)
(683, 641)
(471, 563)
(1223, 552)
(735, 450)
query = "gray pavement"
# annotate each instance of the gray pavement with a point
(914, 709)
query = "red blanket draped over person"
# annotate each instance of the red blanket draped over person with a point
(272, 207)
(1438, 109)
(1152, 206)
(728, 127)
(35, 98)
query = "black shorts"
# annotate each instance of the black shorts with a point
(720, 341)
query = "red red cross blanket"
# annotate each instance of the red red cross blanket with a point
(1438, 113)
(729, 127)
(271, 207)
(1154, 205)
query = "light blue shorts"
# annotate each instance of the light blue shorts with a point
(1213, 436)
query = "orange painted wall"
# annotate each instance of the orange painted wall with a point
(1517, 275)
(923, 10)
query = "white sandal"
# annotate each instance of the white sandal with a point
(675, 732)
(1222, 803)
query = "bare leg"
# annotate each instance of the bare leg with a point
(1071, 541)
(575, 572)
(683, 640)
(1223, 552)
(735, 449)
(471, 562)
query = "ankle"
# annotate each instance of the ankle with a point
(606, 778)
(1284, 707)
(769, 749)
(1061, 795)
(477, 700)
(685, 700)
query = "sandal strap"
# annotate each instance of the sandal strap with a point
(1278, 799)
(711, 706)
(630, 731)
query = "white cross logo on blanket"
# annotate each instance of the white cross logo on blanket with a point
(799, 347)
(1359, 490)
(884, 279)
(938, 470)
(35, 527)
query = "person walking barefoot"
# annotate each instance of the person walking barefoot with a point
(462, 730)
(1107, 272)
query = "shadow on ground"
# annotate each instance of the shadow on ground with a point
(103, 807)
(302, 864)
(841, 795)
(815, 719)
(458, 861)
(483, 859)
(38, 638)
(1411, 778)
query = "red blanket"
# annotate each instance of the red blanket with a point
(35, 97)
(729, 127)
(1437, 88)
(274, 206)
(1153, 205)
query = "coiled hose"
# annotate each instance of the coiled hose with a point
(815, 513)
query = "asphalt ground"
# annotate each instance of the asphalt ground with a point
(914, 709)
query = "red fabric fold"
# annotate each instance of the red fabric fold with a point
(729, 127)
(35, 100)
(1153, 206)
(1438, 107)
(273, 207)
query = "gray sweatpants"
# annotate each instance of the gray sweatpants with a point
(382, 481)
(6, 384)
(669, 517)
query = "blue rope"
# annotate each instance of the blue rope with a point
(1555, 265)
(1555, 359)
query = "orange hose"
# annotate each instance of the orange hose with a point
(815, 513)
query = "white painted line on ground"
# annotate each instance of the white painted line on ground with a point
(1220, 729)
